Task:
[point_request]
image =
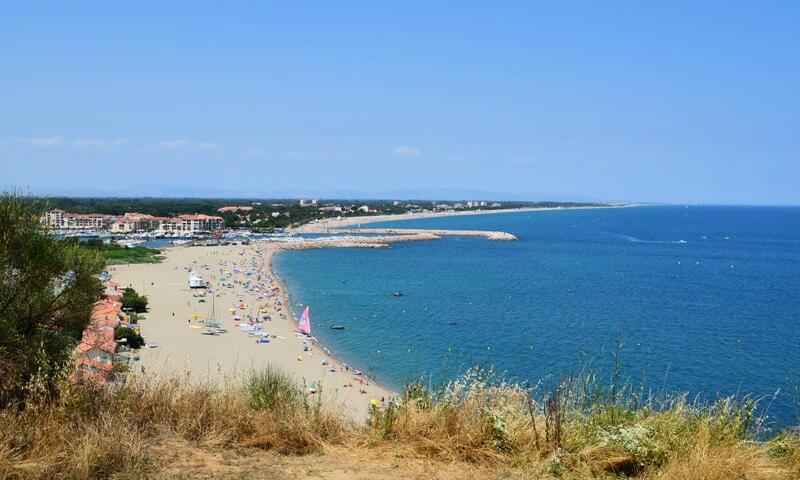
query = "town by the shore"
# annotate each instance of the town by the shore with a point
(327, 224)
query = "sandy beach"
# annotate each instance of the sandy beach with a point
(243, 290)
(324, 225)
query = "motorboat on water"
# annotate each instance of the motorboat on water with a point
(397, 293)
(130, 242)
(337, 327)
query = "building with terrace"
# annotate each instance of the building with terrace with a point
(61, 220)
(132, 222)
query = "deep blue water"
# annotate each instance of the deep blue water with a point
(705, 299)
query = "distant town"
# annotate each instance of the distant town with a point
(132, 222)
(173, 217)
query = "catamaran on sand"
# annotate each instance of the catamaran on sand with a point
(304, 325)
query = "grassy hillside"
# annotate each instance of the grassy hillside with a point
(476, 427)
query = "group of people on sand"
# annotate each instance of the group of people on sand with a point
(248, 284)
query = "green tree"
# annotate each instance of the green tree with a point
(132, 338)
(131, 300)
(47, 290)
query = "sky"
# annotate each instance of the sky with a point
(681, 102)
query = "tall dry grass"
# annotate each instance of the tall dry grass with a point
(583, 430)
(575, 432)
(100, 433)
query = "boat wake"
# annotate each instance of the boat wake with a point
(640, 240)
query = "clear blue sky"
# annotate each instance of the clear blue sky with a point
(677, 102)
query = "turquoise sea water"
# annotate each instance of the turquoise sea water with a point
(705, 299)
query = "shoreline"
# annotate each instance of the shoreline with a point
(327, 224)
(223, 359)
(336, 357)
(198, 356)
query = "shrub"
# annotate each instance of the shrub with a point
(272, 389)
(131, 337)
(47, 289)
(131, 300)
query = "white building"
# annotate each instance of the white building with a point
(132, 222)
(330, 208)
(61, 220)
(191, 223)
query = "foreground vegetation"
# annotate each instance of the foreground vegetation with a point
(482, 427)
(47, 289)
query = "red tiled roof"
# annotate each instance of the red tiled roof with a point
(198, 216)
(86, 215)
(104, 309)
(235, 208)
(139, 216)
(112, 292)
(86, 361)
(84, 375)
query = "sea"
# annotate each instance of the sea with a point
(696, 300)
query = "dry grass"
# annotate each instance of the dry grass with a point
(584, 433)
(102, 433)
(476, 427)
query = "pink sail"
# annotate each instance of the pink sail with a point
(305, 323)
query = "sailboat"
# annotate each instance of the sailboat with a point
(213, 326)
(305, 323)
